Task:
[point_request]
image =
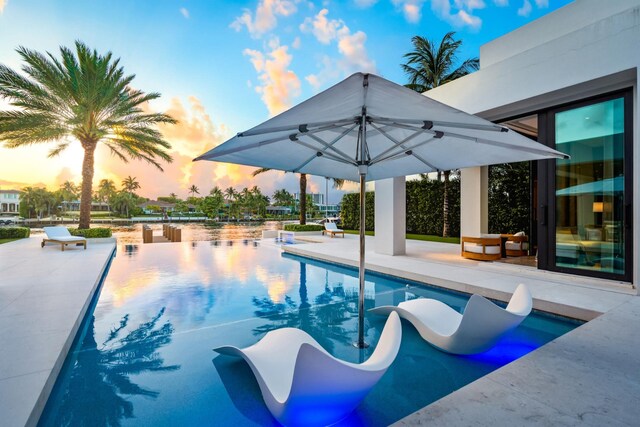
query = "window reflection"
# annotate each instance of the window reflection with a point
(590, 187)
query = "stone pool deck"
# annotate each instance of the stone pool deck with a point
(44, 295)
(588, 377)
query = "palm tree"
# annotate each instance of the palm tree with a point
(337, 183)
(430, 65)
(85, 97)
(193, 190)
(230, 194)
(130, 184)
(106, 190)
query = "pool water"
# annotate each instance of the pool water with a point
(144, 355)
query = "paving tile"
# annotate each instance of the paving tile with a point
(18, 395)
(486, 403)
(30, 353)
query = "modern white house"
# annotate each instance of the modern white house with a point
(570, 81)
(9, 202)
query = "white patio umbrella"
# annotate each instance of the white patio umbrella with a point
(367, 128)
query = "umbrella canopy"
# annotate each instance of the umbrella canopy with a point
(405, 133)
(367, 128)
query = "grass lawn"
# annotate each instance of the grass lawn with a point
(423, 237)
(7, 240)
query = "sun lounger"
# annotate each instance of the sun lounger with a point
(481, 326)
(332, 229)
(61, 235)
(302, 384)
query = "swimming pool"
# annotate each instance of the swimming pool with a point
(144, 355)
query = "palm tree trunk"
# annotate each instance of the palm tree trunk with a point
(445, 207)
(303, 198)
(87, 181)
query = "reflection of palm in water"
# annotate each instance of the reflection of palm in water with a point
(100, 376)
(325, 321)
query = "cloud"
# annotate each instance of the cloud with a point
(463, 17)
(365, 3)
(278, 84)
(412, 9)
(265, 17)
(3, 4)
(296, 43)
(469, 5)
(351, 46)
(323, 29)
(542, 3)
(525, 10)
(184, 12)
(501, 3)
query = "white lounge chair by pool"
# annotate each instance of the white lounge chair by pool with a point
(332, 229)
(302, 384)
(477, 330)
(60, 234)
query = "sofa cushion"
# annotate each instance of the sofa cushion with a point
(490, 236)
(520, 233)
(514, 246)
(477, 249)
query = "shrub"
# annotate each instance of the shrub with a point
(91, 233)
(14, 232)
(306, 227)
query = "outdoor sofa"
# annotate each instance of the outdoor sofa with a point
(485, 248)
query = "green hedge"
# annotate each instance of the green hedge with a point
(14, 232)
(91, 233)
(509, 198)
(424, 208)
(306, 227)
(350, 211)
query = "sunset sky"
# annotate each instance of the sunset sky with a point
(225, 66)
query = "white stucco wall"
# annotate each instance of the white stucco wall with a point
(586, 48)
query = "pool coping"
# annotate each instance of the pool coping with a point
(596, 361)
(25, 393)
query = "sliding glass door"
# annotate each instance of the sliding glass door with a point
(587, 220)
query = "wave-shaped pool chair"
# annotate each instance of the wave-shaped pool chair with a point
(304, 385)
(480, 328)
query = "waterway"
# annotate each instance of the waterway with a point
(131, 234)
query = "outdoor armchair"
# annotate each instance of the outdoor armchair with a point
(61, 235)
(302, 384)
(481, 248)
(517, 244)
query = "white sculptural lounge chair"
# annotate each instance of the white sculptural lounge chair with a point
(477, 330)
(60, 234)
(302, 384)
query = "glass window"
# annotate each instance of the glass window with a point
(590, 187)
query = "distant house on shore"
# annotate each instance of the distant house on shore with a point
(9, 202)
(278, 210)
(74, 205)
(149, 206)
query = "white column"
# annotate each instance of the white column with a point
(391, 216)
(474, 211)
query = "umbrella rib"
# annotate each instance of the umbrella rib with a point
(404, 141)
(398, 143)
(328, 146)
(335, 123)
(327, 155)
(338, 138)
(403, 150)
(493, 128)
(507, 146)
(262, 143)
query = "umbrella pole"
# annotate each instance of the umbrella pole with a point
(360, 343)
